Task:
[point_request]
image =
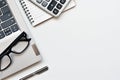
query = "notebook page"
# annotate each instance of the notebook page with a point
(39, 15)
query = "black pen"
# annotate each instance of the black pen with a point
(34, 73)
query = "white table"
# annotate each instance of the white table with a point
(83, 44)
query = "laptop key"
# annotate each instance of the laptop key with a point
(2, 35)
(14, 28)
(5, 10)
(7, 31)
(8, 23)
(2, 3)
(6, 16)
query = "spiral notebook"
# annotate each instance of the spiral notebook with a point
(35, 15)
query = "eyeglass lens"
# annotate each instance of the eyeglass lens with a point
(19, 47)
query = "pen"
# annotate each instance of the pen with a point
(34, 73)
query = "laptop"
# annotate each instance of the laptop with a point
(12, 25)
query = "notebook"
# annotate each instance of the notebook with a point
(35, 15)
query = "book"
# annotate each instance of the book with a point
(35, 15)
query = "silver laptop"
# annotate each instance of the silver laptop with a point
(12, 26)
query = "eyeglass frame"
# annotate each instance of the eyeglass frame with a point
(8, 50)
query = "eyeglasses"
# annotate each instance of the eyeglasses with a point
(18, 46)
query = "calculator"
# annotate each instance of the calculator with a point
(53, 7)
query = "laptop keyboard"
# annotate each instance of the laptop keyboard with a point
(8, 24)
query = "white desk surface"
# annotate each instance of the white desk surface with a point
(83, 44)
